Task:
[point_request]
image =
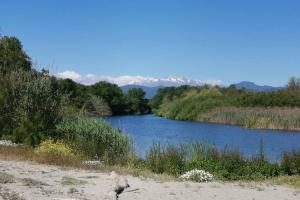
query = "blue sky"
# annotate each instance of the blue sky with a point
(228, 40)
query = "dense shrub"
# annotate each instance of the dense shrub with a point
(51, 148)
(96, 106)
(291, 162)
(95, 138)
(32, 105)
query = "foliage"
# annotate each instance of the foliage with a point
(32, 106)
(226, 164)
(284, 118)
(229, 105)
(94, 138)
(52, 148)
(108, 98)
(32, 103)
(112, 94)
(136, 102)
(165, 159)
(12, 57)
(291, 162)
(96, 106)
(293, 86)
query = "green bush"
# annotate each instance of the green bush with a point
(291, 163)
(95, 138)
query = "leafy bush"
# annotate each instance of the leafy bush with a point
(51, 148)
(32, 107)
(94, 138)
(291, 162)
(96, 106)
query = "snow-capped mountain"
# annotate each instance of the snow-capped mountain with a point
(135, 80)
(166, 82)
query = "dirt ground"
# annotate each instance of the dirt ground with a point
(30, 181)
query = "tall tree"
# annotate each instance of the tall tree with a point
(12, 56)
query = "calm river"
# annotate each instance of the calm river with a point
(146, 129)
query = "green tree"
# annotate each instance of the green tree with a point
(293, 85)
(112, 94)
(12, 56)
(136, 102)
(96, 106)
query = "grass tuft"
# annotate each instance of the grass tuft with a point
(33, 183)
(72, 181)
(6, 178)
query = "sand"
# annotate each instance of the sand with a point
(44, 182)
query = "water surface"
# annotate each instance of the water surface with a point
(145, 129)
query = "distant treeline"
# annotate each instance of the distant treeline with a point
(33, 102)
(272, 110)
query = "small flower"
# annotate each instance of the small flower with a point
(7, 143)
(92, 162)
(197, 175)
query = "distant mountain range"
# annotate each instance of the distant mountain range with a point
(258, 88)
(163, 82)
(152, 90)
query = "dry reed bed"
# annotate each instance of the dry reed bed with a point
(281, 118)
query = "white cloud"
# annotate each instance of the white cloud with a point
(69, 74)
(137, 80)
(213, 82)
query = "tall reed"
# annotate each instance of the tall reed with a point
(255, 117)
(95, 138)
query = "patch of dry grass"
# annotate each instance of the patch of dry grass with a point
(293, 181)
(282, 118)
(72, 181)
(27, 154)
(33, 183)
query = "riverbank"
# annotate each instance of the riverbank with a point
(286, 119)
(32, 181)
(262, 110)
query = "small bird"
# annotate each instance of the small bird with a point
(121, 185)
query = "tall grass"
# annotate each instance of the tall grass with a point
(166, 159)
(95, 138)
(255, 117)
(225, 164)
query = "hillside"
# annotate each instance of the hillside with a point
(254, 87)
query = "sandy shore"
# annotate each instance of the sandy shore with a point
(42, 182)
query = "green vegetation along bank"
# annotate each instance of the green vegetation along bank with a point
(250, 109)
(33, 102)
